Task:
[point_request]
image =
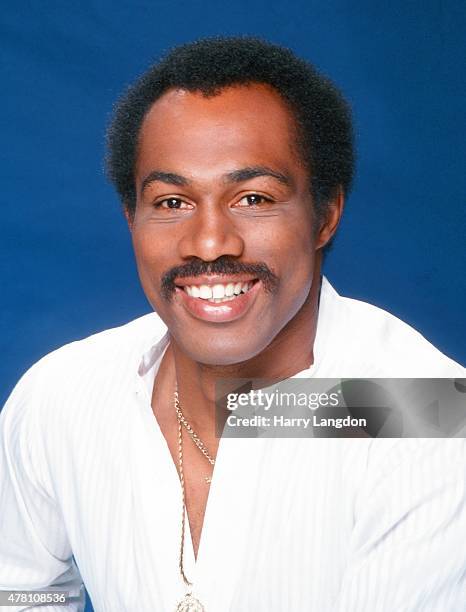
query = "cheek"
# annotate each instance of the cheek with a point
(152, 259)
(290, 252)
(287, 247)
(149, 246)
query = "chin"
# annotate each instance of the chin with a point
(224, 351)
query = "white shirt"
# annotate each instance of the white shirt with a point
(291, 525)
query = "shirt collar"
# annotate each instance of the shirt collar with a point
(325, 332)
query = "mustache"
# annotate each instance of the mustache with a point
(223, 265)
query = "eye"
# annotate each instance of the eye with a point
(172, 204)
(253, 199)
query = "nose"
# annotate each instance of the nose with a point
(209, 234)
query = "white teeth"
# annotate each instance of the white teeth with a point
(218, 291)
(225, 299)
(205, 292)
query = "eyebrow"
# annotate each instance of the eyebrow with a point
(237, 176)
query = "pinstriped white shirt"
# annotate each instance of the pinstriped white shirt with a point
(89, 492)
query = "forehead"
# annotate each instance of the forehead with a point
(240, 126)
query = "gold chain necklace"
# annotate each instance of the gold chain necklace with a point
(189, 603)
(195, 438)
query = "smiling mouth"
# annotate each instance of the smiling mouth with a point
(217, 298)
(219, 292)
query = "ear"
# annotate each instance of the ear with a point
(129, 216)
(329, 225)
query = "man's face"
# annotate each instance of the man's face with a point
(223, 205)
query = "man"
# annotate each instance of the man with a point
(233, 159)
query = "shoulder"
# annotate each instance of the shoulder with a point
(95, 362)
(387, 345)
(109, 346)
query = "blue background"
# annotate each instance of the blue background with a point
(67, 268)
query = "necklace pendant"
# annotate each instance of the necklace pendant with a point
(190, 604)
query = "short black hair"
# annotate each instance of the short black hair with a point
(323, 118)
